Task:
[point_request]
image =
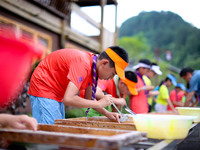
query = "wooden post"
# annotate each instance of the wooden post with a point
(103, 2)
(116, 28)
(62, 40)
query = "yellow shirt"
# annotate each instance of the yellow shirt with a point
(148, 82)
(163, 96)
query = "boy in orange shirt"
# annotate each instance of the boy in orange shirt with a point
(62, 74)
(176, 96)
(116, 87)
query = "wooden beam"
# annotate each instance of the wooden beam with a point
(32, 13)
(51, 22)
(77, 9)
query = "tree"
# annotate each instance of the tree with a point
(136, 47)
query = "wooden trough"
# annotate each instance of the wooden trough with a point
(97, 122)
(74, 137)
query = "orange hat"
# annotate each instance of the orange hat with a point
(131, 86)
(120, 64)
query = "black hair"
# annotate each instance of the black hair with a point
(185, 70)
(164, 81)
(131, 76)
(154, 64)
(145, 61)
(119, 50)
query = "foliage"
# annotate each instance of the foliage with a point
(136, 47)
(167, 31)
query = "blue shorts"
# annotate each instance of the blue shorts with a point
(46, 110)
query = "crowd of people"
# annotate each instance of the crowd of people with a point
(92, 82)
(70, 77)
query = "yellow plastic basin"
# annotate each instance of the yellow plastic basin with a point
(163, 126)
(190, 111)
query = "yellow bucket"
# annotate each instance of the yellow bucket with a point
(163, 126)
(190, 111)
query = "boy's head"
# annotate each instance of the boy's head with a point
(155, 69)
(127, 86)
(112, 61)
(180, 87)
(170, 80)
(186, 73)
(143, 66)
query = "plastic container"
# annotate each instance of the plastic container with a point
(190, 111)
(163, 126)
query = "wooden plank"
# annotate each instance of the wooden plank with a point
(74, 130)
(101, 119)
(77, 137)
(97, 122)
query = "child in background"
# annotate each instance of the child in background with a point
(139, 102)
(154, 70)
(163, 97)
(118, 88)
(177, 95)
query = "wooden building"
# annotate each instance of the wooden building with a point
(49, 23)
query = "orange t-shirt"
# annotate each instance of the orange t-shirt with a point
(106, 85)
(174, 96)
(138, 103)
(109, 87)
(53, 74)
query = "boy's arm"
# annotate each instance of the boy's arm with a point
(146, 87)
(72, 99)
(99, 93)
(189, 98)
(118, 101)
(103, 111)
(171, 105)
(180, 104)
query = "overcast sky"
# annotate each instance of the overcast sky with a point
(189, 10)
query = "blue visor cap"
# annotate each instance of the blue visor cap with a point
(181, 85)
(172, 78)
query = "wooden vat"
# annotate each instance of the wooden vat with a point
(97, 122)
(74, 137)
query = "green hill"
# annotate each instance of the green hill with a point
(166, 31)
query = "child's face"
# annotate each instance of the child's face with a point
(123, 88)
(143, 70)
(105, 72)
(169, 83)
(151, 74)
(187, 77)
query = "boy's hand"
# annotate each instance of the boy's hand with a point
(175, 111)
(20, 122)
(149, 87)
(105, 101)
(154, 93)
(120, 101)
(113, 116)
